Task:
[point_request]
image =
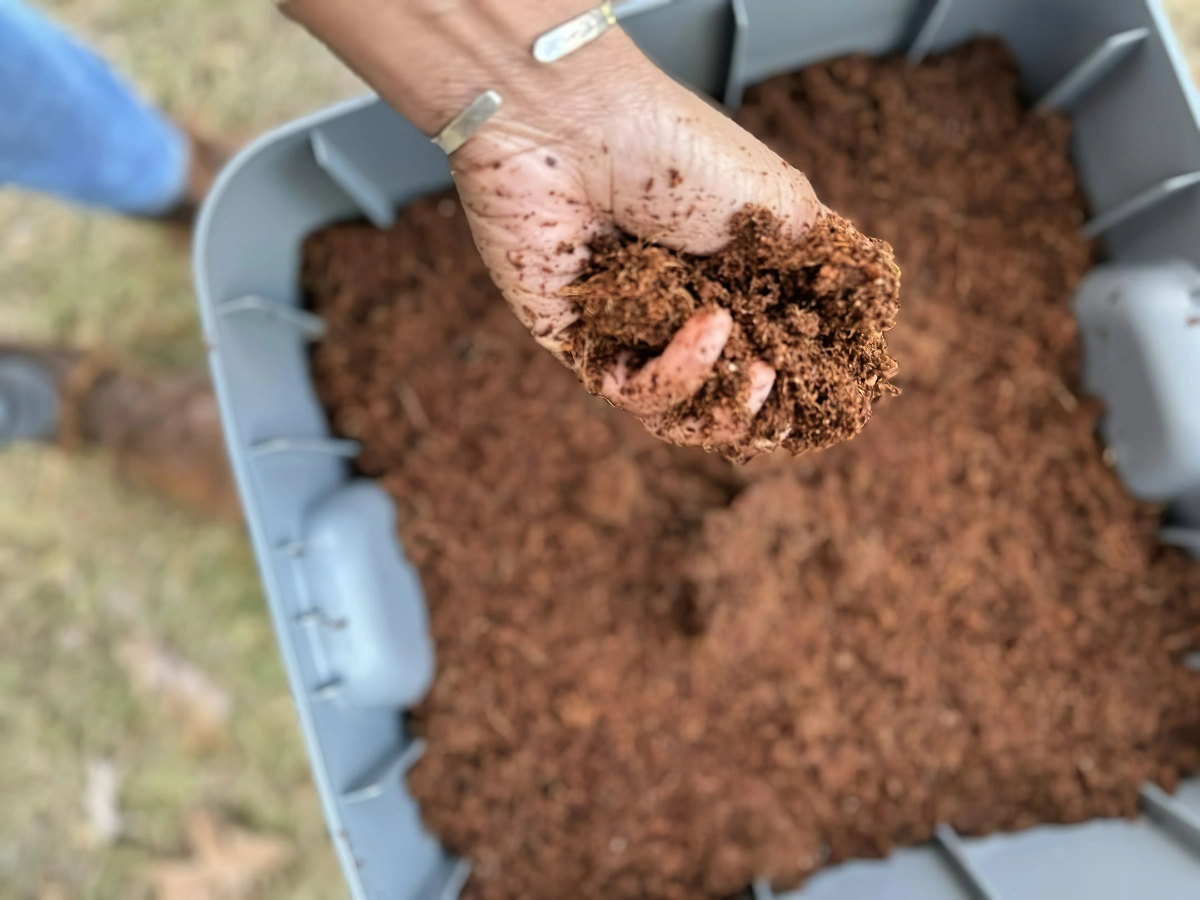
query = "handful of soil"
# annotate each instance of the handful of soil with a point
(815, 310)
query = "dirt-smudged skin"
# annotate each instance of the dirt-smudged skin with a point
(815, 310)
(660, 675)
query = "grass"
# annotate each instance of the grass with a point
(86, 562)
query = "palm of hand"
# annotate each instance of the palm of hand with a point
(659, 163)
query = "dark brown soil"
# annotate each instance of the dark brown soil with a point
(814, 310)
(660, 675)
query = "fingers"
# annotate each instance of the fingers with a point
(676, 374)
(724, 428)
(762, 382)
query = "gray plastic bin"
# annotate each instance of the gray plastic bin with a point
(348, 608)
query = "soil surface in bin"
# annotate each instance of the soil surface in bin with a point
(661, 675)
(815, 310)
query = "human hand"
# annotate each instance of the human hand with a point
(600, 140)
(642, 154)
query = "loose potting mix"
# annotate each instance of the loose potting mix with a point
(661, 675)
(814, 310)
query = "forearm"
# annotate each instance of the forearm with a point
(430, 58)
(597, 142)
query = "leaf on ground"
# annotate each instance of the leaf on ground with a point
(226, 862)
(191, 694)
(102, 785)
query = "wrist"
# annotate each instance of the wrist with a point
(430, 58)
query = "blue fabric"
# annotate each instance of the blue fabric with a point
(70, 127)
